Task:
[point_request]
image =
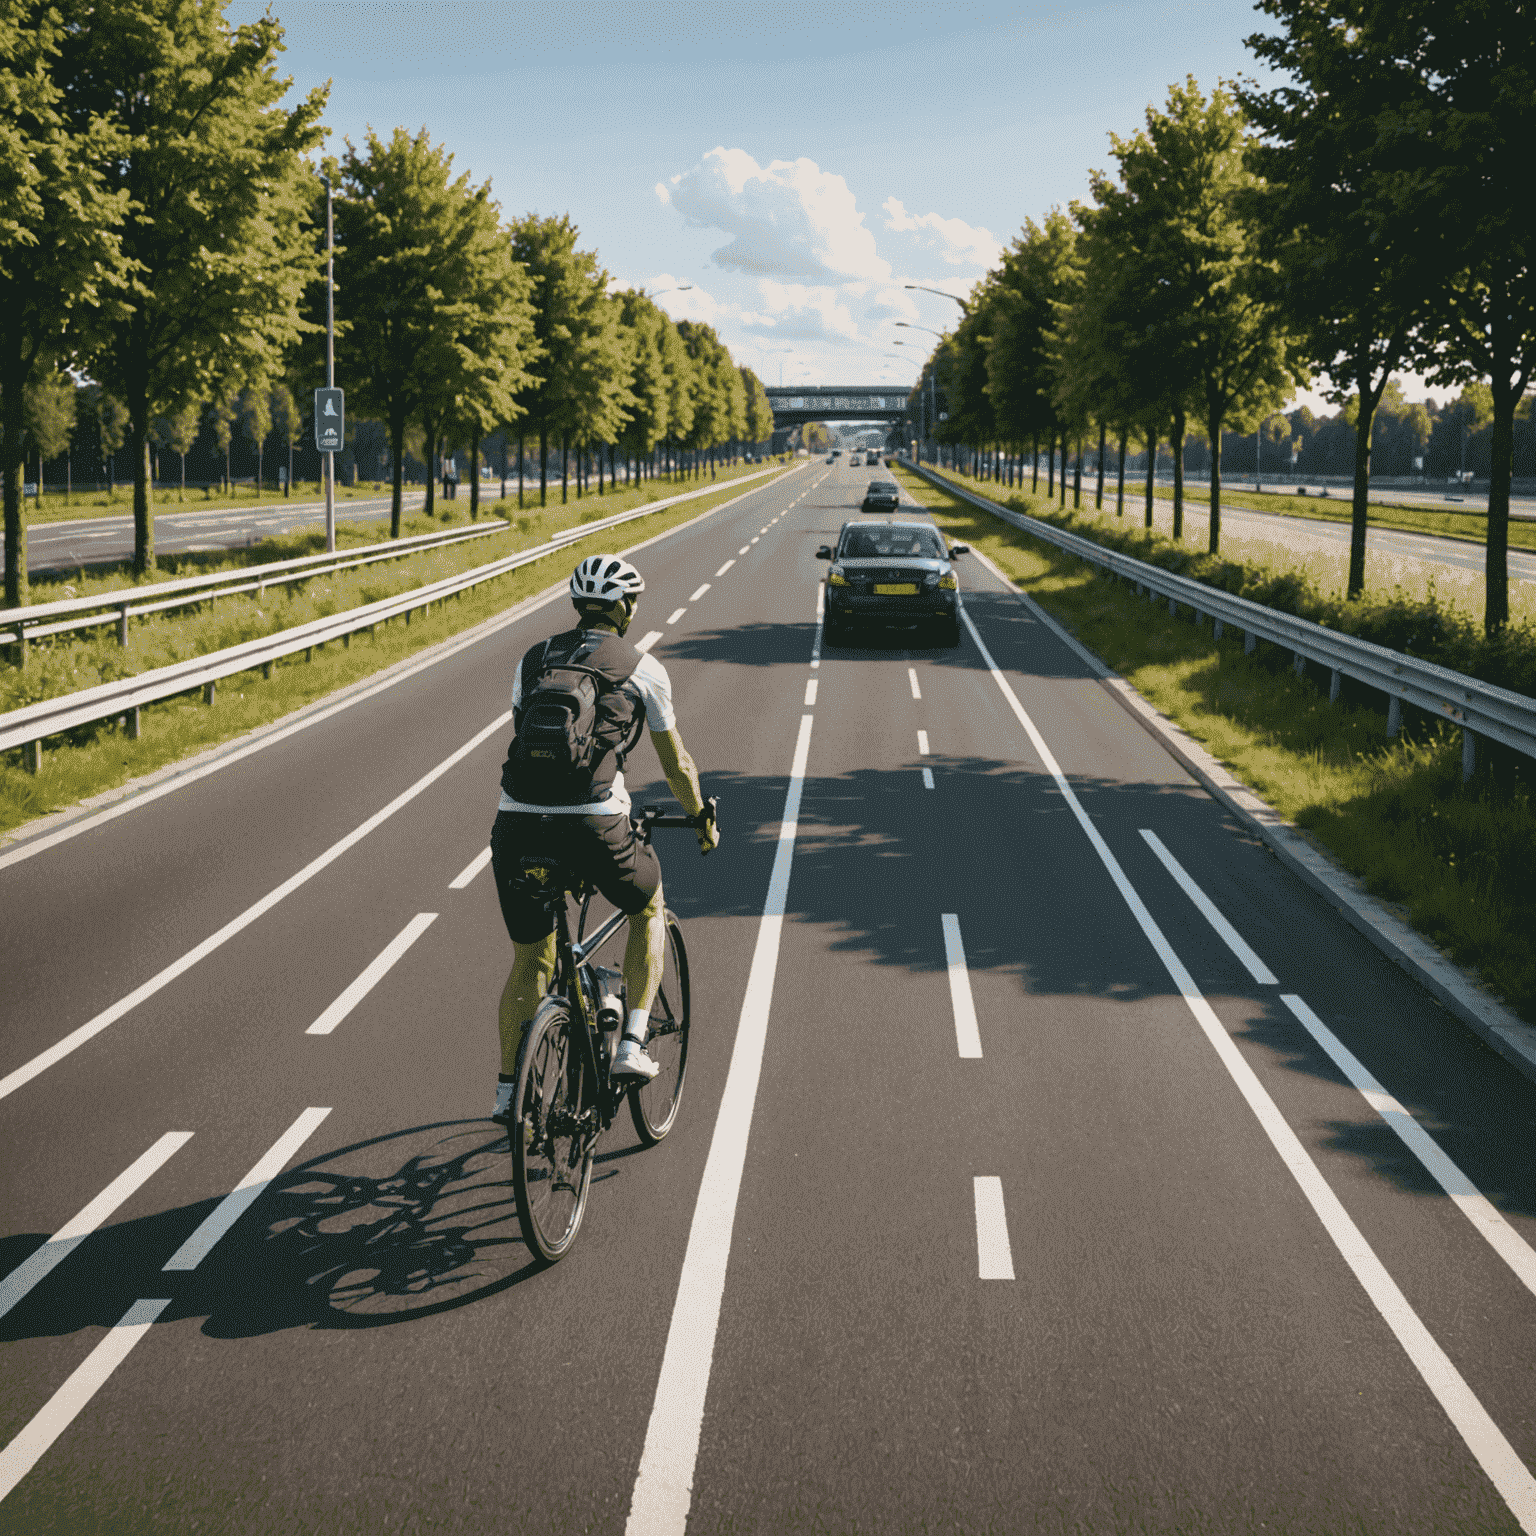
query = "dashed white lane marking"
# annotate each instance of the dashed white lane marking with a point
(744, 548)
(75, 1231)
(754, 539)
(994, 1256)
(245, 1194)
(470, 870)
(821, 613)
(1208, 909)
(1482, 1436)
(922, 743)
(675, 615)
(664, 1483)
(967, 1036)
(377, 970)
(29, 1447)
(810, 693)
(649, 641)
(87, 1031)
(724, 568)
(917, 692)
(927, 778)
(765, 530)
(700, 593)
(1469, 1200)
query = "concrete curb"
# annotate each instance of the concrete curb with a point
(1489, 1019)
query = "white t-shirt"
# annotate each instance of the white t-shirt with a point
(655, 689)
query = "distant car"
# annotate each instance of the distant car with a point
(829, 458)
(837, 453)
(891, 574)
(881, 496)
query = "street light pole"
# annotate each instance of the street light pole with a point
(330, 363)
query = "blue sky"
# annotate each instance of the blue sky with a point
(798, 164)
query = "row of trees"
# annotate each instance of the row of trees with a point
(1368, 215)
(163, 236)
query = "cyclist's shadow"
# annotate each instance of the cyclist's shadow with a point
(387, 1230)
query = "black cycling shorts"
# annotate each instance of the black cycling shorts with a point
(601, 849)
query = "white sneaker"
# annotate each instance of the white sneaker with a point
(630, 1060)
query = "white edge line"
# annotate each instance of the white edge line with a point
(1208, 909)
(1482, 1436)
(470, 870)
(79, 1227)
(664, 1483)
(1466, 1196)
(994, 1253)
(29, 1447)
(73, 1041)
(246, 1193)
(378, 968)
(967, 1035)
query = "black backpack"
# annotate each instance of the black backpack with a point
(561, 731)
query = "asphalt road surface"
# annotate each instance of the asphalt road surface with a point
(1050, 1159)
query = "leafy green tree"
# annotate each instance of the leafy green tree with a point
(255, 415)
(178, 431)
(759, 426)
(287, 423)
(1353, 273)
(582, 392)
(646, 325)
(218, 194)
(222, 412)
(61, 263)
(1212, 305)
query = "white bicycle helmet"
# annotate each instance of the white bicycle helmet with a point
(605, 579)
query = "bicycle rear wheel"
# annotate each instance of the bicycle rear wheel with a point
(653, 1103)
(552, 1140)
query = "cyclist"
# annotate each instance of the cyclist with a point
(571, 804)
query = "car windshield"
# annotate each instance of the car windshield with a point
(881, 485)
(879, 543)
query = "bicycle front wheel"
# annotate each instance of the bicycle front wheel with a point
(552, 1138)
(653, 1102)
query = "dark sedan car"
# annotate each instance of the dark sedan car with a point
(881, 496)
(896, 574)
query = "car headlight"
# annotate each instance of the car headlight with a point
(836, 579)
(948, 583)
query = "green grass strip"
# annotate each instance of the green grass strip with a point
(1455, 859)
(96, 758)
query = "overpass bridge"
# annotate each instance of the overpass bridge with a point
(795, 404)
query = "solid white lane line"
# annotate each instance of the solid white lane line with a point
(245, 1194)
(107, 1016)
(810, 693)
(1469, 1200)
(1234, 941)
(75, 1231)
(664, 1484)
(700, 593)
(967, 1036)
(927, 778)
(470, 870)
(917, 692)
(724, 568)
(994, 1256)
(922, 743)
(744, 548)
(1482, 1436)
(649, 641)
(377, 970)
(29, 1447)
(677, 613)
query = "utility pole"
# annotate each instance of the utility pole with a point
(330, 363)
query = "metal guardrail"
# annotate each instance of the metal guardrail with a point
(39, 620)
(1479, 708)
(124, 697)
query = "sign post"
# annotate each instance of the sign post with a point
(333, 403)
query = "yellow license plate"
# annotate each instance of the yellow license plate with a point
(896, 589)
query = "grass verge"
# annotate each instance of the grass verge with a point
(60, 508)
(1455, 859)
(97, 758)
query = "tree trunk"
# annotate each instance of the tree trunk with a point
(1360, 511)
(1077, 479)
(1063, 471)
(1098, 493)
(1506, 396)
(1151, 473)
(429, 433)
(1034, 460)
(1050, 469)
(287, 484)
(543, 466)
(1176, 444)
(565, 467)
(12, 406)
(600, 448)
(138, 450)
(396, 470)
(474, 475)
(1120, 481)
(1213, 426)
(183, 495)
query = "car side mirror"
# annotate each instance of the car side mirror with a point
(825, 552)
(959, 549)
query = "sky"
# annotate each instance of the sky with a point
(781, 170)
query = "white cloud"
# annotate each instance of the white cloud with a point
(959, 243)
(787, 219)
(798, 312)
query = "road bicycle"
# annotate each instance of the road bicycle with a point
(565, 1097)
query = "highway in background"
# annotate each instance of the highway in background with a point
(1050, 1160)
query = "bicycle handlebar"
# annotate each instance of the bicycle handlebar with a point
(651, 817)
